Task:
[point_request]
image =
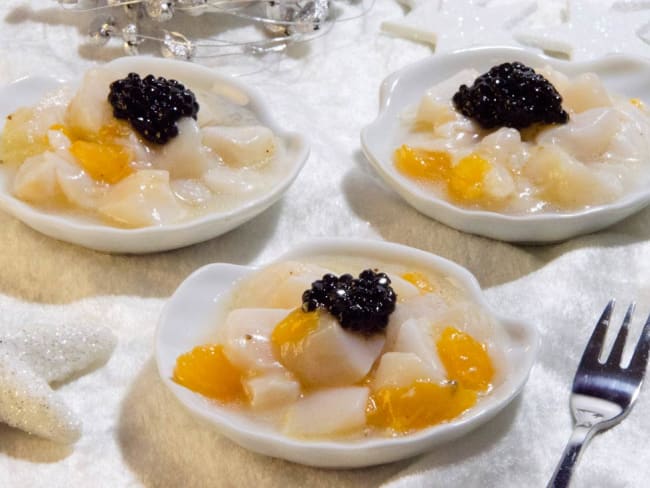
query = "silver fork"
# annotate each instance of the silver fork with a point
(603, 392)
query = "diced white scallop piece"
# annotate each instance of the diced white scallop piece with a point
(141, 199)
(429, 306)
(333, 356)
(402, 288)
(630, 143)
(417, 336)
(207, 113)
(89, 109)
(504, 147)
(36, 178)
(399, 369)
(435, 107)
(271, 390)
(288, 293)
(587, 135)
(58, 140)
(558, 79)
(460, 133)
(498, 183)
(224, 180)
(191, 192)
(240, 145)
(584, 92)
(184, 155)
(247, 337)
(327, 412)
(78, 187)
(279, 285)
(565, 181)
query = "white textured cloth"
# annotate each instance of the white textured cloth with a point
(136, 433)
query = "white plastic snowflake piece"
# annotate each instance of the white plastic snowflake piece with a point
(34, 356)
(593, 29)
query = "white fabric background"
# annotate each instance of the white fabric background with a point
(136, 434)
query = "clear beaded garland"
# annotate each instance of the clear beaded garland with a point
(140, 21)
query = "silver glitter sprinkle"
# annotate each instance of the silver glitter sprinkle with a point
(159, 10)
(32, 357)
(176, 45)
(101, 29)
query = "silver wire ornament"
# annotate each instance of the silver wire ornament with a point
(287, 20)
(176, 45)
(310, 16)
(282, 12)
(131, 39)
(101, 29)
(159, 10)
(296, 16)
(192, 7)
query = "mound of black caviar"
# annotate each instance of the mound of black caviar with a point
(360, 304)
(152, 105)
(511, 95)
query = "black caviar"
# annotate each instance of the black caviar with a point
(511, 95)
(360, 304)
(152, 105)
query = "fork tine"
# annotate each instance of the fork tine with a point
(619, 344)
(639, 361)
(595, 344)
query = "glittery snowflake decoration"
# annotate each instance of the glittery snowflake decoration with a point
(573, 29)
(136, 22)
(593, 29)
(450, 25)
(34, 356)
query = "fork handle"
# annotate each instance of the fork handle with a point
(579, 437)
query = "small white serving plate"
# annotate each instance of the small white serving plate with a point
(190, 316)
(621, 75)
(103, 237)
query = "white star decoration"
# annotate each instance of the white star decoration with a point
(576, 29)
(34, 356)
(456, 24)
(593, 29)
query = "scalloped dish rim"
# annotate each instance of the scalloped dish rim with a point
(533, 228)
(328, 453)
(103, 237)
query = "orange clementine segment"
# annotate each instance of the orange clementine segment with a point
(103, 161)
(207, 370)
(421, 164)
(465, 359)
(420, 405)
(466, 178)
(289, 334)
(419, 280)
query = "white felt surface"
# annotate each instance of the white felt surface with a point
(136, 434)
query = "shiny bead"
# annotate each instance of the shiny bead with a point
(159, 10)
(131, 39)
(101, 29)
(310, 16)
(176, 45)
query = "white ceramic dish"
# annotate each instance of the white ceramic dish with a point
(404, 88)
(77, 230)
(189, 319)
